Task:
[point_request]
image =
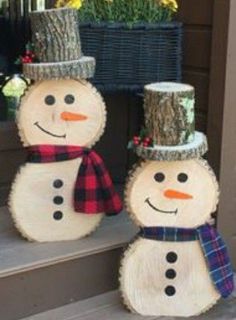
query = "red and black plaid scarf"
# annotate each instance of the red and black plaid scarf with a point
(94, 191)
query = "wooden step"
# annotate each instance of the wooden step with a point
(108, 306)
(37, 277)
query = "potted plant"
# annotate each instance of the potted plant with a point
(135, 42)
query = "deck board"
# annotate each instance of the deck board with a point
(19, 255)
(108, 306)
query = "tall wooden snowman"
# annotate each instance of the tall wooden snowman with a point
(64, 189)
(178, 265)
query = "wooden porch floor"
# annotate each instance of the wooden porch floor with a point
(109, 307)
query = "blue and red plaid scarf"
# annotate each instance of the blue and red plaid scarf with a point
(213, 247)
(94, 191)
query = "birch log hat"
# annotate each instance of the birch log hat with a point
(170, 124)
(57, 47)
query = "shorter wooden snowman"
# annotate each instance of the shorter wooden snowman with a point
(64, 189)
(178, 265)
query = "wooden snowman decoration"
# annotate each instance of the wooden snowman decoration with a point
(178, 265)
(64, 189)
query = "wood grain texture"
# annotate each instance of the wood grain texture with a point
(202, 14)
(143, 193)
(145, 286)
(77, 69)
(197, 47)
(143, 283)
(18, 255)
(33, 207)
(40, 123)
(218, 65)
(108, 306)
(200, 81)
(169, 113)
(192, 150)
(56, 35)
(226, 214)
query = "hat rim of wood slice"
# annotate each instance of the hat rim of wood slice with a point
(171, 137)
(57, 45)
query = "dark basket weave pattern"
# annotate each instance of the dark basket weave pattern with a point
(129, 58)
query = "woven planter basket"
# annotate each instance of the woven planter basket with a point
(128, 58)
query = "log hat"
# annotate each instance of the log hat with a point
(169, 124)
(57, 47)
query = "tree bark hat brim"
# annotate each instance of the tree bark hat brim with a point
(82, 68)
(195, 149)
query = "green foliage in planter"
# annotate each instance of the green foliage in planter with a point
(128, 11)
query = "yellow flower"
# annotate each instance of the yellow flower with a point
(75, 4)
(170, 4)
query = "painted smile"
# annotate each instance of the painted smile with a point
(48, 132)
(156, 209)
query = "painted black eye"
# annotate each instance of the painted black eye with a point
(50, 100)
(182, 177)
(69, 99)
(159, 177)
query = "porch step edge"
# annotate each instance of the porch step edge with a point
(18, 255)
(109, 306)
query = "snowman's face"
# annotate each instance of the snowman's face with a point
(62, 112)
(174, 194)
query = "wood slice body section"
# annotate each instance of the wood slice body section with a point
(41, 203)
(169, 113)
(166, 279)
(56, 35)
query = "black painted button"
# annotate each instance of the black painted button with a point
(170, 291)
(58, 215)
(171, 257)
(170, 273)
(58, 200)
(57, 183)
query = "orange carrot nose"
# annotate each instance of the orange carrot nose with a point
(69, 116)
(174, 194)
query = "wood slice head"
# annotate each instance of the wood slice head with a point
(61, 112)
(172, 193)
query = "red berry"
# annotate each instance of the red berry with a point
(136, 143)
